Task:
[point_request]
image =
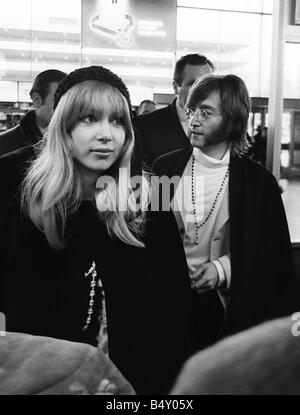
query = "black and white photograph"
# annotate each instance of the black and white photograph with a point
(150, 200)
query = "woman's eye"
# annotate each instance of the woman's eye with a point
(118, 121)
(89, 119)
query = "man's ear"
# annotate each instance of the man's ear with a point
(37, 100)
(175, 87)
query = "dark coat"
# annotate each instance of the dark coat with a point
(24, 134)
(44, 291)
(262, 265)
(160, 132)
(13, 167)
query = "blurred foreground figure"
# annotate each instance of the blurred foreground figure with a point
(47, 366)
(262, 361)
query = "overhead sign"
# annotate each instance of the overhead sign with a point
(130, 24)
(9, 91)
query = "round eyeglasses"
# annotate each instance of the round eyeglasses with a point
(200, 113)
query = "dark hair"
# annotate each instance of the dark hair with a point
(43, 80)
(190, 59)
(147, 101)
(235, 104)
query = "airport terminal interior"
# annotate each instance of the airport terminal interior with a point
(141, 40)
(237, 36)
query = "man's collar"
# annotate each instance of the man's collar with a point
(180, 112)
(211, 162)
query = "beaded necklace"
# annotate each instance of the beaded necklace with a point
(199, 225)
(93, 272)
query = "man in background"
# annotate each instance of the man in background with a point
(17, 145)
(146, 106)
(166, 129)
(33, 125)
(260, 145)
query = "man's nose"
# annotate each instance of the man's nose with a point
(195, 120)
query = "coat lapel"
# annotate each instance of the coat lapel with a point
(177, 169)
(177, 166)
(236, 212)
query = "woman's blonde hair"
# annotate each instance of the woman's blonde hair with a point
(52, 189)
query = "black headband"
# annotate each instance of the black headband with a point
(90, 73)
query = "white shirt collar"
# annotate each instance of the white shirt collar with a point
(211, 162)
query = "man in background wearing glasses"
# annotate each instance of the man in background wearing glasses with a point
(229, 213)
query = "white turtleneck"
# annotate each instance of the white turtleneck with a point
(209, 174)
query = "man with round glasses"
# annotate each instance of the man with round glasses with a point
(198, 112)
(229, 213)
(166, 129)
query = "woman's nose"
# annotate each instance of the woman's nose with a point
(103, 138)
(103, 131)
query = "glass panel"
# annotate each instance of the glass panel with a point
(200, 35)
(286, 128)
(8, 91)
(257, 120)
(56, 16)
(24, 89)
(40, 35)
(56, 27)
(250, 124)
(15, 14)
(241, 54)
(268, 6)
(240, 5)
(296, 141)
(285, 139)
(230, 53)
(285, 158)
(292, 71)
(265, 56)
(290, 171)
(15, 55)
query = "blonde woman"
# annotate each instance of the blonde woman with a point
(81, 257)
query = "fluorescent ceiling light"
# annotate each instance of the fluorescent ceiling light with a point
(39, 47)
(129, 53)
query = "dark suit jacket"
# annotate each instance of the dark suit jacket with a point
(24, 134)
(261, 255)
(13, 167)
(160, 132)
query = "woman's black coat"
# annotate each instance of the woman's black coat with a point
(45, 292)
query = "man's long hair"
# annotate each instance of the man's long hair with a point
(52, 189)
(235, 105)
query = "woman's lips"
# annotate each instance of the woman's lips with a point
(102, 151)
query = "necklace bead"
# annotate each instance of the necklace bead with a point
(199, 225)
